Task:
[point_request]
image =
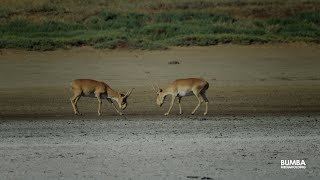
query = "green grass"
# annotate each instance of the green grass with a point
(55, 27)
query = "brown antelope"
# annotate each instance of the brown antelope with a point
(184, 87)
(99, 90)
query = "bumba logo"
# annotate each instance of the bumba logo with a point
(293, 164)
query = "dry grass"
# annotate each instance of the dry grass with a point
(77, 10)
(155, 24)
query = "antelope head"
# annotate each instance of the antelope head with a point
(160, 95)
(122, 100)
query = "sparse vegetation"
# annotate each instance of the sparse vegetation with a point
(51, 24)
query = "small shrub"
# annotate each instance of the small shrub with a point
(95, 22)
(4, 13)
(108, 16)
(160, 31)
(310, 16)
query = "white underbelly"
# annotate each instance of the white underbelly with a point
(185, 93)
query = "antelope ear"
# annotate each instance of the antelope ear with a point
(129, 92)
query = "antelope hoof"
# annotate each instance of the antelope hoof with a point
(78, 114)
(166, 114)
(99, 114)
(205, 113)
(192, 113)
(181, 113)
(121, 114)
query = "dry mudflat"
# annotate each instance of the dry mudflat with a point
(264, 107)
(149, 147)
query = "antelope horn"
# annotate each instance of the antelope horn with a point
(129, 92)
(157, 86)
(154, 88)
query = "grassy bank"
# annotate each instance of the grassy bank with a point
(51, 24)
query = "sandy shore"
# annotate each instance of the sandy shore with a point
(243, 79)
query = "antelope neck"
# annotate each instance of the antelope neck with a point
(166, 92)
(113, 94)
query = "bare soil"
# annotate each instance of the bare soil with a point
(243, 79)
(157, 147)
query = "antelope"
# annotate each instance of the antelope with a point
(99, 90)
(184, 87)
